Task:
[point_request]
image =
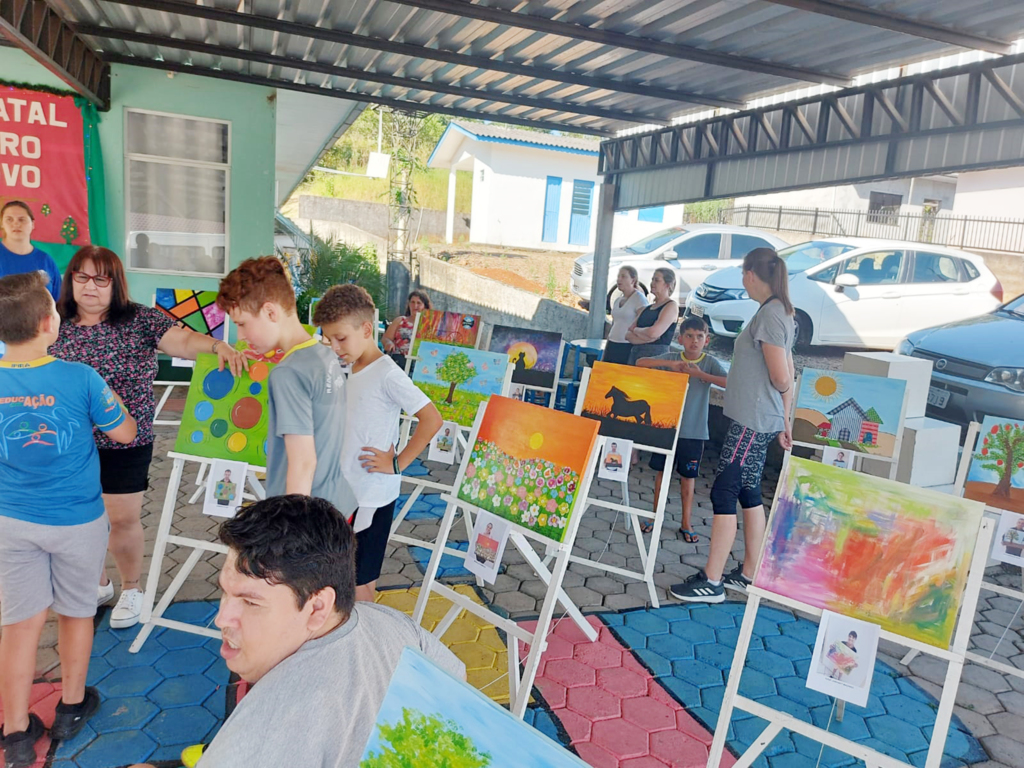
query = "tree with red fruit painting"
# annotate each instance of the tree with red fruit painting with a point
(1002, 452)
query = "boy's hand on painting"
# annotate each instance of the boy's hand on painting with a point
(230, 357)
(378, 461)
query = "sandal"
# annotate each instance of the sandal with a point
(646, 527)
(689, 536)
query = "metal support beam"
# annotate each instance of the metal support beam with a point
(337, 93)
(42, 33)
(963, 118)
(895, 23)
(555, 105)
(602, 255)
(185, 8)
(622, 40)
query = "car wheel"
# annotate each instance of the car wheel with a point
(614, 293)
(802, 337)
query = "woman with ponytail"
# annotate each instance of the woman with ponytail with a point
(758, 400)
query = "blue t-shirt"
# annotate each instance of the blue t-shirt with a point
(49, 465)
(16, 264)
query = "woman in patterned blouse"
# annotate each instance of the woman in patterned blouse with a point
(102, 327)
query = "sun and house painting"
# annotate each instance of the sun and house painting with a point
(458, 379)
(849, 410)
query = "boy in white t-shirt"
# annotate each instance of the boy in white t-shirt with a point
(378, 391)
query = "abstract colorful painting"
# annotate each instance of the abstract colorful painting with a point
(457, 380)
(197, 310)
(849, 410)
(225, 416)
(874, 549)
(638, 404)
(527, 465)
(996, 476)
(428, 718)
(534, 354)
(453, 328)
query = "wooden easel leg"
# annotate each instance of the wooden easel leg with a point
(435, 561)
(532, 559)
(732, 688)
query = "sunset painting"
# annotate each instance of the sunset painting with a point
(870, 548)
(638, 404)
(534, 354)
(453, 328)
(527, 465)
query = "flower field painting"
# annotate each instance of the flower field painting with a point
(870, 548)
(638, 404)
(457, 380)
(453, 328)
(527, 465)
(996, 476)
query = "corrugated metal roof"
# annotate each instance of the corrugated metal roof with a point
(524, 136)
(527, 66)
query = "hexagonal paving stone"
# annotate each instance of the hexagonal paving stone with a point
(712, 616)
(676, 748)
(185, 661)
(181, 725)
(670, 646)
(621, 738)
(123, 714)
(646, 622)
(795, 689)
(130, 681)
(649, 713)
(71, 747)
(118, 656)
(693, 631)
(570, 673)
(715, 655)
(756, 685)
(594, 703)
(598, 655)
(182, 691)
(622, 682)
(896, 733)
(788, 647)
(115, 749)
(698, 673)
(771, 664)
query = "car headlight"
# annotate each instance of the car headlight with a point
(904, 348)
(1011, 378)
(735, 294)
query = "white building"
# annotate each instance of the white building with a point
(534, 190)
(912, 195)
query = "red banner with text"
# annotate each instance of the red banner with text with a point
(42, 162)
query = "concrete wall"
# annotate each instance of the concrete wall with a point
(456, 289)
(856, 197)
(374, 217)
(994, 194)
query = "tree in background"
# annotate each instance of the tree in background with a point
(456, 369)
(332, 262)
(420, 739)
(1002, 452)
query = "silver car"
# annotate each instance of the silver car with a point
(977, 365)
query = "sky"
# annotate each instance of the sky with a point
(565, 440)
(824, 390)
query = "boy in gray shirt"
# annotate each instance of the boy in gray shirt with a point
(306, 392)
(703, 370)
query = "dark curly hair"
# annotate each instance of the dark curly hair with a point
(344, 302)
(299, 541)
(253, 283)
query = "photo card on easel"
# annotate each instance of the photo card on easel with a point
(224, 487)
(843, 662)
(442, 445)
(615, 460)
(487, 545)
(1008, 542)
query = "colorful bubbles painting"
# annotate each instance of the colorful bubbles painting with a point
(226, 416)
(870, 548)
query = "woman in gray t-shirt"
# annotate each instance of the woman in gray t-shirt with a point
(758, 399)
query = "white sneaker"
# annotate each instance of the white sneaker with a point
(105, 594)
(128, 609)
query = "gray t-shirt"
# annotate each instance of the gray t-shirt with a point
(750, 399)
(307, 397)
(698, 395)
(317, 708)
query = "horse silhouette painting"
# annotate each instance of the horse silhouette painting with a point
(625, 408)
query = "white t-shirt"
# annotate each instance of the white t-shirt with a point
(376, 397)
(623, 316)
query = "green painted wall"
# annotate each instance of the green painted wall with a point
(252, 112)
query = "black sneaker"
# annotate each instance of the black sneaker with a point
(20, 747)
(71, 718)
(697, 589)
(735, 580)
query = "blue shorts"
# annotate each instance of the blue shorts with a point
(689, 452)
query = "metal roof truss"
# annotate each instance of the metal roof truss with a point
(971, 117)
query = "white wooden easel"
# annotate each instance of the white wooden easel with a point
(153, 617)
(955, 656)
(963, 468)
(520, 681)
(648, 554)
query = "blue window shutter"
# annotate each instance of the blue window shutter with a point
(551, 200)
(579, 218)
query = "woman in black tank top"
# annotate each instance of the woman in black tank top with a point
(652, 332)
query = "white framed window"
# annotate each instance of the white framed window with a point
(177, 173)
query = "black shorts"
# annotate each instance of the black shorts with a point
(371, 543)
(689, 452)
(740, 470)
(125, 470)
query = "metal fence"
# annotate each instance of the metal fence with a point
(966, 232)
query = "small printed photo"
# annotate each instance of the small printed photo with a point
(442, 445)
(1008, 543)
(224, 487)
(615, 459)
(837, 457)
(844, 658)
(487, 544)
(518, 392)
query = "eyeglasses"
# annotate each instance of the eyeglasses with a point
(102, 281)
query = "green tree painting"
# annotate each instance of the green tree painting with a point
(419, 740)
(456, 369)
(1002, 452)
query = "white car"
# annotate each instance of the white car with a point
(855, 292)
(692, 250)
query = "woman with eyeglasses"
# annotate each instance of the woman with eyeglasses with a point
(102, 327)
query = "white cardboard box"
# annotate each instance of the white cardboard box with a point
(928, 455)
(915, 371)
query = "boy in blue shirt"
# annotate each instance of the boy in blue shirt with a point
(53, 527)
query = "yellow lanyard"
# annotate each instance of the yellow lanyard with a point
(303, 345)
